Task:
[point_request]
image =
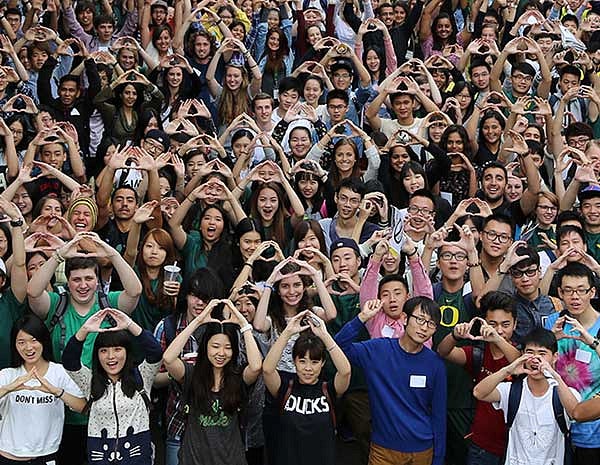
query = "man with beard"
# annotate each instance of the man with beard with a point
(494, 178)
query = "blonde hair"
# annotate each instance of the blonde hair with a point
(234, 103)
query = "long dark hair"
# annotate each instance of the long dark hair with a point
(462, 132)
(275, 58)
(437, 42)
(382, 62)
(32, 325)
(100, 379)
(278, 224)
(334, 171)
(203, 378)
(276, 304)
(317, 200)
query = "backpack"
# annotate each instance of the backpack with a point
(61, 308)
(514, 400)
(324, 390)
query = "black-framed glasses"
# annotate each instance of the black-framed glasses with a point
(414, 210)
(493, 235)
(531, 272)
(547, 208)
(422, 321)
(570, 292)
(458, 256)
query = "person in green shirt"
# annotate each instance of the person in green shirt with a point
(159, 294)
(81, 269)
(12, 299)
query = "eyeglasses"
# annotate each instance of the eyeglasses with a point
(519, 273)
(422, 321)
(341, 75)
(152, 147)
(547, 208)
(571, 292)
(578, 142)
(458, 256)
(493, 235)
(336, 107)
(414, 210)
(522, 77)
(345, 200)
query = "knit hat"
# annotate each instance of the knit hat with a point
(88, 202)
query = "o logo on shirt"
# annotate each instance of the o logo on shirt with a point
(454, 315)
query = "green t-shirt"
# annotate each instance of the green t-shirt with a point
(11, 310)
(460, 385)
(593, 244)
(146, 314)
(194, 253)
(72, 322)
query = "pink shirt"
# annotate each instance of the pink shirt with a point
(381, 325)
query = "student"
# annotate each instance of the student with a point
(578, 362)
(306, 421)
(488, 435)
(535, 435)
(215, 387)
(116, 388)
(33, 391)
(407, 385)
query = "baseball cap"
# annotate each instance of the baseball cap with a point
(344, 242)
(589, 192)
(159, 136)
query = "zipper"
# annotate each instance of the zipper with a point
(117, 420)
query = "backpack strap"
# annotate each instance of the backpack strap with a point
(559, 412)
(514, 400)
(58, 318)
(477, 361)
(169, 329)
(325, 390)
(286, 396)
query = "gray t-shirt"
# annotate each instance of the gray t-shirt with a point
(213, 438)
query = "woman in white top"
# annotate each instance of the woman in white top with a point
(32, 397)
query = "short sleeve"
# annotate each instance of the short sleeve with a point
(468, 350)
(54, 298)
(503, 390)
(113, 298)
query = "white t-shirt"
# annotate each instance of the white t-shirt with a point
(535, 438)
(390, 126)
(31, 421)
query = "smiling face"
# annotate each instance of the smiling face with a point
(53, 155)
(313, 35)
(541, 352)
(491, 130)
(493, 184)
(233, 78)
(480, 76)
(308, 188)
(81, 218)
(28, 348)
(443, 28)
(344, 159)
(312, 91)
(82, 285)
(502, 234)
(300, 143)
(249, 242)
(590, 209)
(129, 96)
(372, 60)
(202, 47)
(545, 212)
(413, 182)
(502, 321)
(291, 290)
(163, 42)
(267, 204)
(219, 351)
(194, 306)
(398, 158)
(307, 369)
(126, 59)
(514, 189)
(246, 308)
(347, 202)
(273, 41)
(105, 32)
(22, 200)
(403, 106)
(112, 360)
(175, 76)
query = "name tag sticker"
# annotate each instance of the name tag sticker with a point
(387, 331)
(418, 381)
(583, 356)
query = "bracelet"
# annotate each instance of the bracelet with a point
(414, 252)
(595, 343)
(58, 257)
(501, 272)
(219, 21)
(129, 324)
(269, 286)
(454, 336)
(61, 394)
(248, 264)
(329, 349)
(473, 265)
(246, 327)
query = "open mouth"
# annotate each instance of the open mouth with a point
(80, 226)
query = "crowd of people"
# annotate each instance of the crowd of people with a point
(291, 232)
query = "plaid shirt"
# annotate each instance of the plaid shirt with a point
(176, 417)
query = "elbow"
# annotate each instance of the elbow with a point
(578, 413)
(477, 393)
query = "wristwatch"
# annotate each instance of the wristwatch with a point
(595, 344)
(16, 223)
